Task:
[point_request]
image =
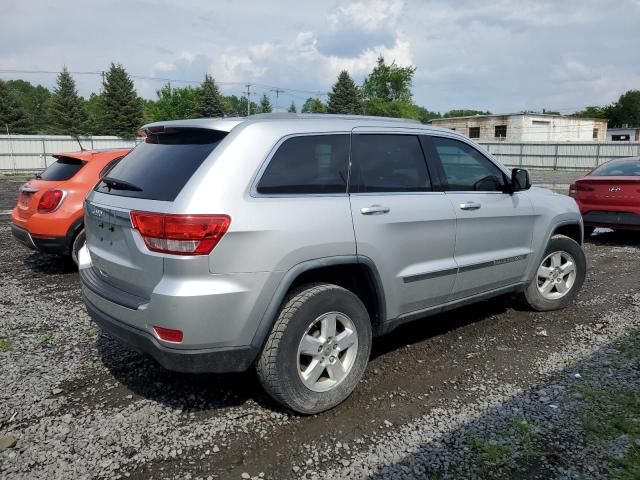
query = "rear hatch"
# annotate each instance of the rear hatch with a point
(608, 191)
(63, 169)
(148, 179)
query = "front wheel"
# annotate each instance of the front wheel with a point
(318, 349)
(558, 277)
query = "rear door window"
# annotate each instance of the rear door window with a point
(62, 169)
(310, 164)
(388, 163)
(160, 167)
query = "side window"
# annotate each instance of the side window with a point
(109, 166)
(388, 163)
(309, 164)
(466, 169)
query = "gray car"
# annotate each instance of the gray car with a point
(285, 242)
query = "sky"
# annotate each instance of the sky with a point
(503, 56)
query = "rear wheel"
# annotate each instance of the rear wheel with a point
(78, 243)
(318, 349)
(559, 276)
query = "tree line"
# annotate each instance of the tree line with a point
(118, 110)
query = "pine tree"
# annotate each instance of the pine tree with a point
(209, 102)
(121, 107)
(344, 97)
(12, 115)
(265, 105)
(292, 108)
(66, 113)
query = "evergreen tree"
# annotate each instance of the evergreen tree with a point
(292, 108)
(66, 113)
(265, 105)
(34, 100)
(209, 102)
(344, 97)
(121, 106)
(12, 115)
(313, 105)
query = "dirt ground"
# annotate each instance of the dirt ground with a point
(82, 406)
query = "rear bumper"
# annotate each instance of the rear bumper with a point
(220, 360)
(54, 245)
(613, 219)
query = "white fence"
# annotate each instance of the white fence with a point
(562, 155)
(34, 152)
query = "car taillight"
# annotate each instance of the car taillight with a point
(180, 234)
(50, 201)
(168, 334)
(578, 187)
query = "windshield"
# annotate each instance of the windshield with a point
(160, 167)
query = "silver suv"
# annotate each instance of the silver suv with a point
(285, 242)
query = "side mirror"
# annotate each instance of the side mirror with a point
(520, 180)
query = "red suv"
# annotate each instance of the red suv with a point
(49, 215)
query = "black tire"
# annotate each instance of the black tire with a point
(278, 365)
(588, 231)
(77, 244)
(532, 295)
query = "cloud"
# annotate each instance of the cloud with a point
(503, 55)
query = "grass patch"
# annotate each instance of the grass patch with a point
(46, 338)
(5, 345)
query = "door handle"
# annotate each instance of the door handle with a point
(470, 206)
(374, 210)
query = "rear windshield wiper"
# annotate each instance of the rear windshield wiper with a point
(115, 184)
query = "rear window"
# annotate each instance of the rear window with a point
(159, 168)
(62, 169)
(618, 168)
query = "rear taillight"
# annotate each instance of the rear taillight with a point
(50, 201)
(579, 187)
(169, 334)
(180, 234)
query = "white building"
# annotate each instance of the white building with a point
(623, 134)
(527, 127)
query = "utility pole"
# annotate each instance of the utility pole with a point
(277, 92)
(248, 85)
(103, 80)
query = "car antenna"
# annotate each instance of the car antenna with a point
(78, 140)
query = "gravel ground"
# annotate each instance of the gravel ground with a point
(489, 391)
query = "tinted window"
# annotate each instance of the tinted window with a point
(467, 169)
(62, 169)
(618, 168)
(388, 163)
(159, 168)
(108, 167)
(308, 164)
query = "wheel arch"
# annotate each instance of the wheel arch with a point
(353, 272)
